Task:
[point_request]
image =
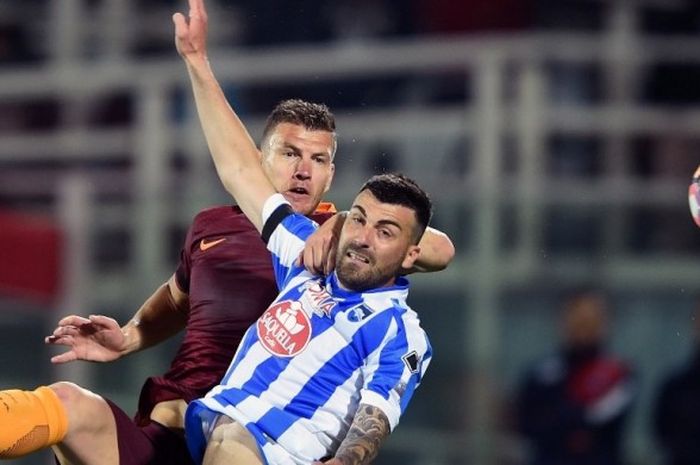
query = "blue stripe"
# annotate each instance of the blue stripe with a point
(410, 389)
(194, 436)
(265, 374)
(301, 227)
(319, 388)
(336, 371)
(428, 355)
(231, 396)
(249, 339)
(276, 421)
(269, 370)
(391, 366)
(259, 438)
(373, 332)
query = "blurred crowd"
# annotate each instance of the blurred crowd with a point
(572, 406)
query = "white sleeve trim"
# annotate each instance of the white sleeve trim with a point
(390, 409)
(271, 204)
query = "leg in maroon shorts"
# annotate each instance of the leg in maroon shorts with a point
(92, 435)
(153, 444)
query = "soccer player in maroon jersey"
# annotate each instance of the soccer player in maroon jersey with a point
(222, 284)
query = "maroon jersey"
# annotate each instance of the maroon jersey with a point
(226, 270)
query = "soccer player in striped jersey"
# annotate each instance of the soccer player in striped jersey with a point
(331, 365)
(326, 372)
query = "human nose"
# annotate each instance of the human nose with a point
(303, 169)
(362, 236)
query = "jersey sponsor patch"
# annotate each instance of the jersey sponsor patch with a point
(359, 313)
(284, 329)
(317, 298)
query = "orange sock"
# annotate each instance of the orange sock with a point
(29, 421)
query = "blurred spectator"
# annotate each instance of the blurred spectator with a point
(677, 410)
(572, 405)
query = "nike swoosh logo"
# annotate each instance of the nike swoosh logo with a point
(203, 245)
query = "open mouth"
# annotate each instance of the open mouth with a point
(357, 257)
(299, 191)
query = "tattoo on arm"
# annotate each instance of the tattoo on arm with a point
(361, 445)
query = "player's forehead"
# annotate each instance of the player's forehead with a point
(299, 137)
(376, 211)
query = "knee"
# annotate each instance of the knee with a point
(70, 394)
(85, 409)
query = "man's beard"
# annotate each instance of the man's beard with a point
(358, 278)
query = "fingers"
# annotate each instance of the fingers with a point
(197, 9)
(314, 262)
(181, 26)
(65, 340)
(65, 331)
(101, 320)
(329, 265)
(64, 357)
(73, 320)
(314, 257)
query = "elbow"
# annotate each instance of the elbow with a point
(445, 253)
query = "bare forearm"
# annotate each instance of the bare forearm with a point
(436, 251)
(225, 133)
(161, 316)
(368, 430)
(235, 155)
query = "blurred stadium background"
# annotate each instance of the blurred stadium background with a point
(557, 139)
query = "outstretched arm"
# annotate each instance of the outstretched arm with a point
(100, 339)
(235, 155)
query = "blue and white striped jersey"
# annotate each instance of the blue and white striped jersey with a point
(317, 352)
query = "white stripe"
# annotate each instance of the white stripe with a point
(611, 404)
(372, 360)
(293, 283)
(285, 245)
(331, 428)
(303, 367)
(271, 204)
(243, 372)
(383, 300)
(301, 443)
(390, 409)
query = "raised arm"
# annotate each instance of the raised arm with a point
(235, 155)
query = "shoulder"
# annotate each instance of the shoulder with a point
(397, 317)
(218, 213)
(221, 219)
(321, 217)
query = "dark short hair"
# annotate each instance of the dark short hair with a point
(312, 116)
(397, 189)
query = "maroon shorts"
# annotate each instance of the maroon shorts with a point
(153, 444)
